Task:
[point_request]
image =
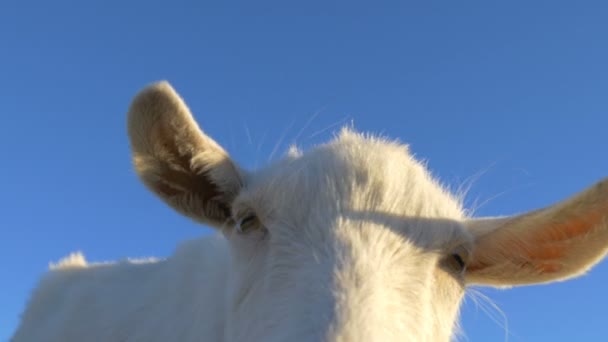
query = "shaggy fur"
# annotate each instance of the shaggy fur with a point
(351, 241)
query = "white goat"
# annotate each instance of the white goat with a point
(351, 241)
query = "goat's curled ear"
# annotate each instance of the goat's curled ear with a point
(177, 161)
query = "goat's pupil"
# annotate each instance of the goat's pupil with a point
(458, 260)
(247, 219)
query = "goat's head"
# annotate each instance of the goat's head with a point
(352, 240)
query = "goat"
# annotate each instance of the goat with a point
(350, 241)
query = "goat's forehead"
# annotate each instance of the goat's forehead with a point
(357, 173)
(347, 161)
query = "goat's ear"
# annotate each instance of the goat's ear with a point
(177, 161)
(555, 243)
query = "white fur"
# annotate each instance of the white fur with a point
(352, 241)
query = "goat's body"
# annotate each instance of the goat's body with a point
(177, 299)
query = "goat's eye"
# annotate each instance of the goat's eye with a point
(247, 224)
(456, 262)
(457, 259)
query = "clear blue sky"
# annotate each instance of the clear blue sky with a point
(517, 88)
